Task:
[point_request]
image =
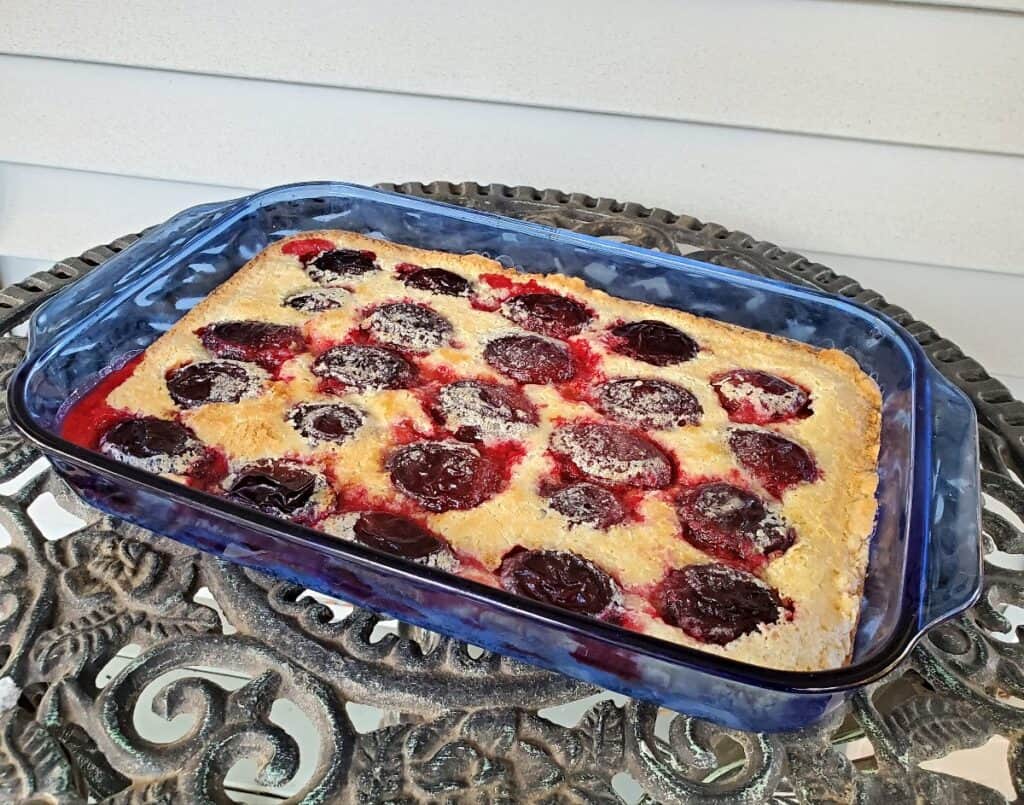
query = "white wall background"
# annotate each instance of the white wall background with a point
(885, 138)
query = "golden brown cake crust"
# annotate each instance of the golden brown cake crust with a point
(822, 574)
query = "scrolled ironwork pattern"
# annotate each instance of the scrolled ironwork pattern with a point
(458, 726)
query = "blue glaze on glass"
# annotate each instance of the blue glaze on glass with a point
(925, 553)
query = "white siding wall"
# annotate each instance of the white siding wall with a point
(886, 137)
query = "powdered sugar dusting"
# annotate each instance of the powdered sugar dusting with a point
(409, 326)
(649, 403)
(587, 504)
(720, 507)
(161, 464)
(768, 406)
(220, 381)
(314, 300)
(722, 504)
(766, 534)
(488, 409)
(340, 525)
(611, 454)
(366, 368)
(228, 387)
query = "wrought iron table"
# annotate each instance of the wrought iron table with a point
(458, 726)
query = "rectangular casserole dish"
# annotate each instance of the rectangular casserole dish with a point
(925, 553)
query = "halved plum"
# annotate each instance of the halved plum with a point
(196, 384)
(614, 455)
(475, 409)
(588, 504)
(653, 342)
(530, 359)
(276, 486)
(307, 248)
(364, 368)
(397, 535)
(774, 460)
(336, 265)
(325, 422)
(413, 327)
(438, 281)
(393, 534)
(716, 604)
(547, 313)
(560, 578)
(758, 398)
(732, 523)
(261, 342)
(153, 444)
(317, 300)
(445, 475)
(649, 403)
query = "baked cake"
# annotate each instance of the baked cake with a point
(688, 479)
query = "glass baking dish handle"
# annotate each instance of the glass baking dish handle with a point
(954, 557)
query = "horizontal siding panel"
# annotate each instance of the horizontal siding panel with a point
(1015, 6)
(878, 200)
(911, 73)
(954, 302)
(52, 213)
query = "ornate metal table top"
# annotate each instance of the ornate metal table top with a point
(457, 726)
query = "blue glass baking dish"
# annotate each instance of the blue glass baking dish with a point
(925, 557)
